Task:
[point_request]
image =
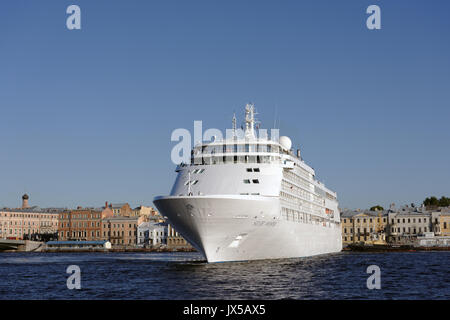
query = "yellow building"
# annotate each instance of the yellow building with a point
(368, 227)
(444, 222)
(121, 209)
(144, 211)
(175, 240)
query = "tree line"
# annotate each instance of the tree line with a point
(428, 202)
(435, 202)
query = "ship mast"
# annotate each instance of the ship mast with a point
(234, 124)
(250, 120)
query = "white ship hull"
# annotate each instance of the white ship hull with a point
(237, 228)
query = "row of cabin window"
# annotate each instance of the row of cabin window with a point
(230, 148)
(234, 159)
(302, 203)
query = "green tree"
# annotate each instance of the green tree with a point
(377, 208)
(444, 202)
(435, 202)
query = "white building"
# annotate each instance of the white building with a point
(152, 234)
(430, 240)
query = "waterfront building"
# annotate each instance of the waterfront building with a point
(107, 210)
(144, 211)
(396, 226)
(121, 209)
(368, 227)
(406, 223)
(82, 224)
(29, 222)
(152, 234)
(428, 239)
(444, 222)
(175, 240)
(143, 232)
(121, 231)
(156, 218)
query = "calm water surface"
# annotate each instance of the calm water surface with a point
(415, 275)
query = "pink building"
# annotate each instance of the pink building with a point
(23, 222)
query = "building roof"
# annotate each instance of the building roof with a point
(34, 209)
(412, 213)
(152, 224)
(400, 211)
(121, 218)
(352, 213)
(118, 205)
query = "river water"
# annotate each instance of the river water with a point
(403, 275)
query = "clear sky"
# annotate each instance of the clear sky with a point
(86, 115)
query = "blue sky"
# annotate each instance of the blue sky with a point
(86, 115)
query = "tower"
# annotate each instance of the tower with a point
(25, 204)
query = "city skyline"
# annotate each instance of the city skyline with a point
(88, 114)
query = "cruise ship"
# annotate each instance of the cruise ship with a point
(251, 197)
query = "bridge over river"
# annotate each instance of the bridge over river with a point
(20, 245)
